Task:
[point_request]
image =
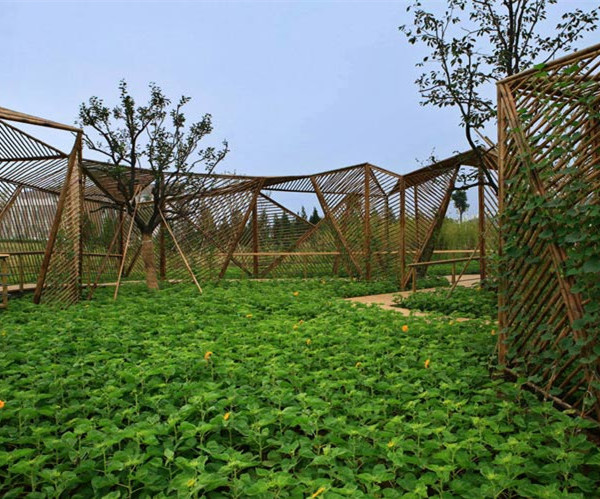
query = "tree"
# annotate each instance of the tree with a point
(299, 223)
(156, 137)
(474, 43)
(460, 203)
(314, 217)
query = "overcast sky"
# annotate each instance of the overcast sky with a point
(295, 87)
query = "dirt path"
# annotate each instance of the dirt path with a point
(386, 300)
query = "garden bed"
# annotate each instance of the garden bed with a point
(266, 389)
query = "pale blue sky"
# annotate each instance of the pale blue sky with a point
(296, 87)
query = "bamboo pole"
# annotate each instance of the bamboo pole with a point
(453, 287)
(255, 262)
(367, 225)
(335, 225)
(240, 231)
(126, 246)
(10, 202)
(4, 276)
(162, 265)
(105, 259)
(481, 196)
(185, 261)
(503, 286)
(402, 251)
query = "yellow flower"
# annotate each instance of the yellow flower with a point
(450, 323)
(191, 482)
(308, 341)
(391, 444)
(226, 416)
(493, 332)
(296, 293)
(3, 333)
(207, 356)
(318, 492)
(1, 404)
(427, 364)
(358, 364)
(300, 321)
(295, 326)
(405, 328)
(322, 282)
(249, 316)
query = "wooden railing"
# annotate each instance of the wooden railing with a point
(454, 281)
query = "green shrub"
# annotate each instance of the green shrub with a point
(463, 302)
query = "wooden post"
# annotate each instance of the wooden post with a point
(121, 235)
(4, 276)
(414, 279)
(417, 228)
(367, 235)
(80, 213)
(502, 322)
(21, 272)
(437, 221)
(255, 246)
(402, 251)
(162, 253)
(481, 195)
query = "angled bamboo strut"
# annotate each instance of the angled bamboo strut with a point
(185, 261)
(126, 246)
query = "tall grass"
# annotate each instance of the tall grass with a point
(455, 235)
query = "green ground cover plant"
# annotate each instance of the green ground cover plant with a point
(446, 268)
(269, 389)
(463, 302)
(350, 288)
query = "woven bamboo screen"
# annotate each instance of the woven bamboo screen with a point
(40, 209)
(64, 225)
(374, 223)
(549, 164)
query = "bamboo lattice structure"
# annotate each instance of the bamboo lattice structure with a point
(549, 167)
(64, 225)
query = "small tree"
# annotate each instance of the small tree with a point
(474, 43)
(314, 217)
(460, 203)
(156, 137)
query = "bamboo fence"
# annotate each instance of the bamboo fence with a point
(64, 226)
(549, 168)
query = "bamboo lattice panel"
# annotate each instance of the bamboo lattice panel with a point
(549, 148)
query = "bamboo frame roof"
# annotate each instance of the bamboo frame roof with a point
(222, 184)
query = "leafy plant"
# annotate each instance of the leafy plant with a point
(463, 302)
(269, 389)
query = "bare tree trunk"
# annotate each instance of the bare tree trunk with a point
(148, 258)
